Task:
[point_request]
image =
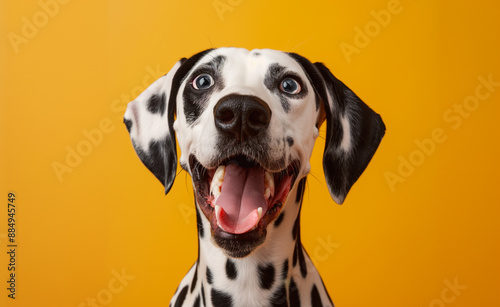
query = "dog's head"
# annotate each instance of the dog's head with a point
(246, 123)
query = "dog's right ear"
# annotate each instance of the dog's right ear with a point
(149, 119)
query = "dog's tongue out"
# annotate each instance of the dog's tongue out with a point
(242, 193)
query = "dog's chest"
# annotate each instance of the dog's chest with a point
(205, 287)
(229, 282)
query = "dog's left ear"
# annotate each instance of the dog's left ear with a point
(353, 130)
(353, 134)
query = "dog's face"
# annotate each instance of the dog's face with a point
(246, 123)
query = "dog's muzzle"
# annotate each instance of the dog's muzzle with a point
(241, 192)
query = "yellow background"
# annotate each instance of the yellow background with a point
(390, 244)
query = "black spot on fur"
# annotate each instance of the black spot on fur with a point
(231, 271)
(195, 278)
(128, 123)
(266, 276)
(209, 276)
(279, 219)
(299, 256)
(315, 298)
(217, 63)
(181, 297)
(279, 298)
(176, 290)
(199, 224)
(221, 299)
(275, 71)
(285, 104)
(300, 189)
(275, 74)
(296, 228)
(256, 53)
(284, 270)
(271, 81)
(295, 256)
(157, 103)
(197, 301)
(203, 296)
(289, 139)
(293, 294)
(195, 101)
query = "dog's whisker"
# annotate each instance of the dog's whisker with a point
(300, 44)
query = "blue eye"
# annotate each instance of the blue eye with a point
(203, 82)
(290, 86)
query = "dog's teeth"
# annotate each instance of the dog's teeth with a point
(269, 179)
(217, 180)
(219, 173)
(259, 214)
(267, 193)
(269, 184)
(217, 214)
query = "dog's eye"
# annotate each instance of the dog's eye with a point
(203, 82)
(290, 86)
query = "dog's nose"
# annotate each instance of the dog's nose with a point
(241, 117)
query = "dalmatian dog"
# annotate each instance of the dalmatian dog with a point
(246, 123)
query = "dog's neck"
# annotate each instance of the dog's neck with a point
(271, 266)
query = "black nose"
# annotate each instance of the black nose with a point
(241, 117)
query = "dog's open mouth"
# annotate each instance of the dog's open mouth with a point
(239, 195)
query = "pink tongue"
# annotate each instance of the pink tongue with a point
(242, 193)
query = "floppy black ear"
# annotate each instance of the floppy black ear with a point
(149, 120)
(353, 134)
